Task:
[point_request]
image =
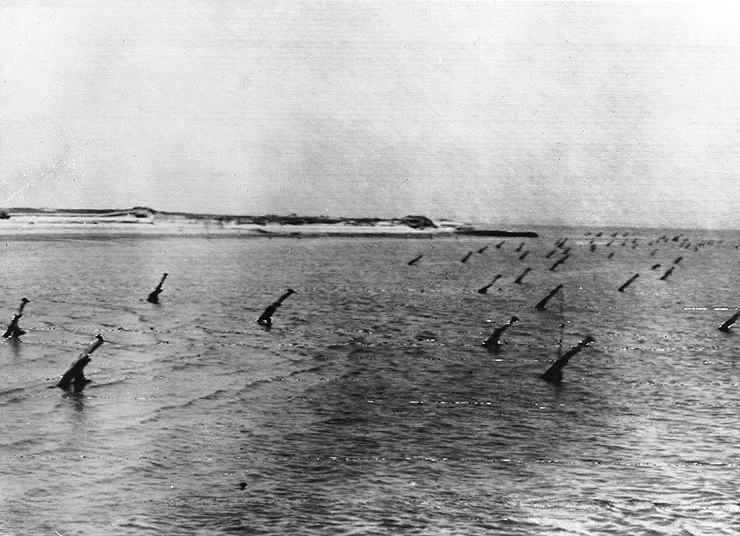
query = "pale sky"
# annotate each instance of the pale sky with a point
(513, 113)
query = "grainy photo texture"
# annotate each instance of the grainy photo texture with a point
(369, 267)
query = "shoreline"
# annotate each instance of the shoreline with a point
(144, 222)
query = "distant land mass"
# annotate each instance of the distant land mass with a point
(147, 221)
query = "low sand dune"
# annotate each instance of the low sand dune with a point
(29, 222)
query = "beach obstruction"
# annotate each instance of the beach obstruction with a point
(725, 327)
(554, 374)
(14, 331)
(154, 295)
(543, 302)
(266, 318)
(559, 262)
(75, 376)
(628, 283)
(484, 290)
(521, 277)
(493, 343)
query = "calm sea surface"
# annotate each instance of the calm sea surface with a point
(370, 407)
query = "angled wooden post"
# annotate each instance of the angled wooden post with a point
(493, 343)
(628, 283)
(727, 324)
(14, 331)
(75, 375)
(154, 295)
(266, 318)
(554, 374)
(543, 302)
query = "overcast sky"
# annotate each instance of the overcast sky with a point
(512, 113)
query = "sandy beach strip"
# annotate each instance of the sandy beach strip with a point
(32, 224)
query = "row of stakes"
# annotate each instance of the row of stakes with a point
(74, 378)
(554, 374)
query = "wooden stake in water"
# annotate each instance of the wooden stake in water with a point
(493, 342)
(75, 376)
(543, 302)
(554, 374)
(628, 283)
(266, 318)
(519, 279)
(559, 262)
(414, 260)
(725, 327)
(154, 295)
(14, 331)
(484, 290)
(667, 274)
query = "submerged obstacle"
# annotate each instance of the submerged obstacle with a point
(521, 277)
(554, 374)
(493, 343)
(75, 376)
(154, 295)
(560, 261)
(266, 318)
(542, 304)
(13, 330)
(727, 324)
(484, 290)
(628, 283)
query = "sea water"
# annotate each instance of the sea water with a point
(371, 407)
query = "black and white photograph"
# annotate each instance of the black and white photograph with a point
(369, 267)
